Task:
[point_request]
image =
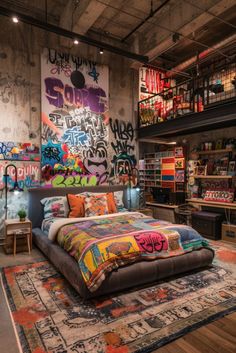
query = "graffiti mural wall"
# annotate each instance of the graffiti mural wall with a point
(75, 121)
(123, 151)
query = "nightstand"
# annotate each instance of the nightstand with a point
(146, 211)
(18, 236)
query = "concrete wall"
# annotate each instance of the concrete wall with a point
(20, 49)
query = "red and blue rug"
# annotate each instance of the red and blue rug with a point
(51, 317)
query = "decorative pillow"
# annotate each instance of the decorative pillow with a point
(118, 195)
(110, 199)
(96, 206)
(76, 205)
(55, 206)
(219, 195)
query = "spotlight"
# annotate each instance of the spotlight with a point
(175, 37)
(76, 41)
(101, 51)
(15, 19)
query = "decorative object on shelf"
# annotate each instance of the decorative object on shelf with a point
(232, 168)
(179, 152)
(15, 188)
(22, 215)
(201, 170)
(219, 144)
(219, 195)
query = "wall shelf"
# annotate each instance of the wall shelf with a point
(201, 202)
(226, 150)
(213, 176)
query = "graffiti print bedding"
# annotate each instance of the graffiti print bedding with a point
(102, 244)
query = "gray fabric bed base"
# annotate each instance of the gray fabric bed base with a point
(125, 277)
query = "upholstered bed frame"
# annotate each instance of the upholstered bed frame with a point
(125, 277)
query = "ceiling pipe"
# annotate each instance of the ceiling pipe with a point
(72, 35)
(184, 65)
(152, 13)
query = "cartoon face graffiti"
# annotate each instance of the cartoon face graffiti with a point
(95, 159)
(122, 165)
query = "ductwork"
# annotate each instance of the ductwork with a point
(186, 64)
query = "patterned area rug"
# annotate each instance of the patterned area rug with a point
(51, 317)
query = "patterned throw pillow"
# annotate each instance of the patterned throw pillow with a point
(55, 206)
(76, 205)
(118, 195)
(98, 205)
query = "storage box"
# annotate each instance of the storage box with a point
(229, 232)
(208, 224)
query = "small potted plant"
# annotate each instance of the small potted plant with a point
(22, 214)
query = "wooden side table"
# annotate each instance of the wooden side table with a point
(18, 236)
(146, 211)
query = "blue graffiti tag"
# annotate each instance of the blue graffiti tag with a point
(75, 137)
(94, 74)
(5, 148)
(52, 153)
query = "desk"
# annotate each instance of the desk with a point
(163, 211)
(201, 202)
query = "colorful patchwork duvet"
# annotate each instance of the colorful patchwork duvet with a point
(102, 244)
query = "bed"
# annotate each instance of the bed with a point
(127, 276)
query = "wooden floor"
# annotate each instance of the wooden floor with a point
(217, 337)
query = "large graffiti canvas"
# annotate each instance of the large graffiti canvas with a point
(123, 147)
(75, 120)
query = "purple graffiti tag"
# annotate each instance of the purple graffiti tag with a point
(52, 93)
(59, 94)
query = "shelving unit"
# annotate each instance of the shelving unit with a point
(158, 170)
(227, 180)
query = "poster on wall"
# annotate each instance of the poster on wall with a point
(75, 120)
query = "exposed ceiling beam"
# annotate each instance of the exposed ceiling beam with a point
(185, 31)
(152, 13)
(80, 17)
(70, 34)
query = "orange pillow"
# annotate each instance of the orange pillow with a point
(76, 205)
(111, 202)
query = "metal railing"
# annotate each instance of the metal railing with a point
(192, 96)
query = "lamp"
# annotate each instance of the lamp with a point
(134, 174)
(15, 188)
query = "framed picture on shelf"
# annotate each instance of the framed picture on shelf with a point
(179, 176)
(201, 170)
(179, 152)
(179, 163)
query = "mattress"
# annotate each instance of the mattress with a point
(132, 275)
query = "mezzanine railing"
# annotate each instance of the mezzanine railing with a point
(192, 96)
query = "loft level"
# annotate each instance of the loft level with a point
(223, 115)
